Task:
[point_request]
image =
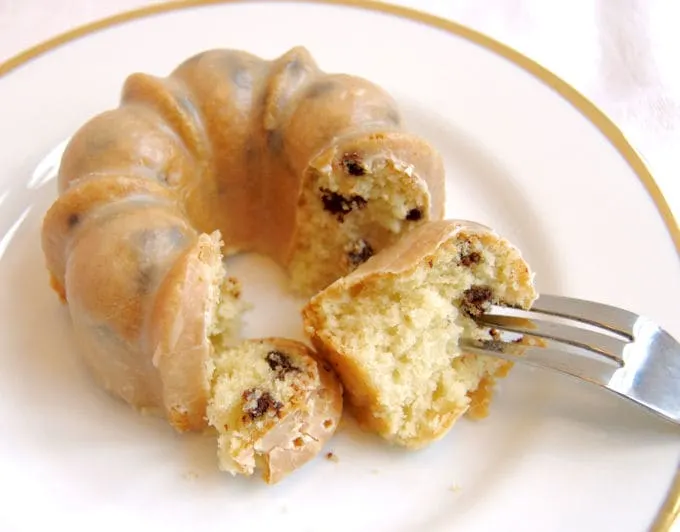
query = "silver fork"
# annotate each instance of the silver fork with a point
(613, 348)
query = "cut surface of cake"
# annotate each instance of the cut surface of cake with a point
(273, 406)
(391, 329)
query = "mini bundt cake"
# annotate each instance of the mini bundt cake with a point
(391, 329)
(228, 153)
(272, 406)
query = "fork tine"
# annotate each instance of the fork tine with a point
(590, 370)
(608, 317)
(607, 346)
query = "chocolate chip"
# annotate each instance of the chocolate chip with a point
(353, 164)
(319, 88)
(340, 205)
(414, 215)
(73, 220)
(476, 300)
(274, 140)
(280, 363)
(359, 252)
(469, 259)
(259, 403)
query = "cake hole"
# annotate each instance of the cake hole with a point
(328, 423)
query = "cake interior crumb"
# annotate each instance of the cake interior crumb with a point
(404, 330)
(372, 212)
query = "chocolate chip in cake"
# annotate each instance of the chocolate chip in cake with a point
(259, 403)
(274, 140)
(280, 363)
(73, 220)
(359, 252)
(470, 259)
(476, 300)
(414, 215)
(319, 88)
(340, 205)
(353, 164)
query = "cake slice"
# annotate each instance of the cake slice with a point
(271, 402)
(273, 406)
(391, 328)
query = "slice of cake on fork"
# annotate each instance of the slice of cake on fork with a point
(391, 328)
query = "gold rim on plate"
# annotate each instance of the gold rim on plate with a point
(670, 510)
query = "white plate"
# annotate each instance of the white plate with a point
(553, 455)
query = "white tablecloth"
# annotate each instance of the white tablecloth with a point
(624, 55)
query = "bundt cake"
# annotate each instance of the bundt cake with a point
(274, 157)
(391, 328)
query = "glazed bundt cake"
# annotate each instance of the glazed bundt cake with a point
(391, 329)
(274, 157)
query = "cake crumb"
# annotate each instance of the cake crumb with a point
(455, 488)
(332, 457)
